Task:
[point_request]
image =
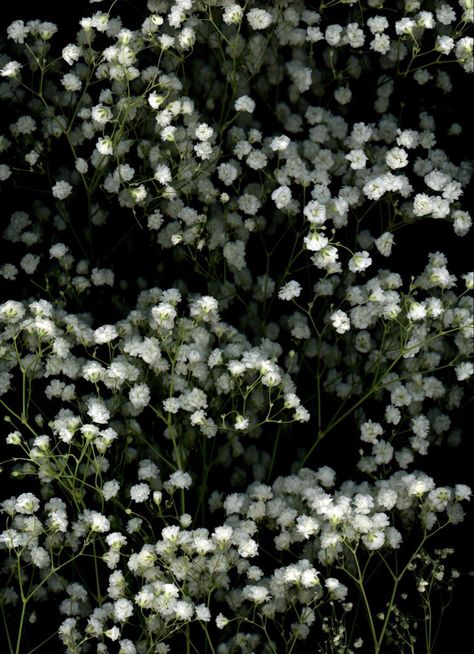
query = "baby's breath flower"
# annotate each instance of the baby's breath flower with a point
(221, 621)
(27, 503)
(259, 19)
(340, 321)
(279, 143)
(178, 479)
(62, 190)
(290, 290)
(11, 311)
(11, 69)
(244, 103)
(360, 261)
(241, 423)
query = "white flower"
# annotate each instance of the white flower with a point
(377, 24)
(462, 493)
(359, 261)
(203, 132)
(202, 613)
(244, 103)
(259, 19)
(105, 334)
(71, 82)
(11, 69)
(256, 160)
(370, 431)
(462, 222)
(420, 487)
(249, 204)
(11, 311)
(40, 557)
(58, 251)
(315, 212)
(396, 158)
(164, 315)
(232, 14)
(375, 188)
(340, 321)
(27, 503)
(139, 493)
(5, 172)
(179, 479)
(384, 243)
(416, 311)
(248, 548)
(358, 159)
(71, 53)
(62, 190)
(315, 241)
(113, 633)
(290, 290)
(464, 370)
(373, 540)
(139, 396)
(98, 522)
(110, 489)
(380, 43)
(186, 38)
(241, 423)
(105, 146)
(102, 277)
(97, 411)
(306, 526)
(301, 414)
(81, 165)
(123, 609)
(343, 95)
(227, 173)
(184, 610)
(444, 44)
(333, 34)
(171, 405)
(138, 193)
(422, 204)
(279, 143)
(309, 578)
(205, 308)
(18, 31)
(336, 589)
(281, 196)
(221, 621)
(256, 594)
(24, 125)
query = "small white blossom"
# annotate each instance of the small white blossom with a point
(290, 290)
(340, 321)
(11, 69)
(396, 158)
(62, 190)
(140, 492)
(241, 423)
(359, 261)
(244, 103)
(259, 19)
(281, 196)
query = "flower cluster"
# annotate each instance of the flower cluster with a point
(237, 238)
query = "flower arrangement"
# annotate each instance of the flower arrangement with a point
(223, 366)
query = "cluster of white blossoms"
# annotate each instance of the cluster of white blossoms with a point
(200, 575)
(237, 236)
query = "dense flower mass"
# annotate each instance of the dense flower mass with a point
(231, 234)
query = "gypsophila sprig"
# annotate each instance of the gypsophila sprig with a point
(236, 326)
